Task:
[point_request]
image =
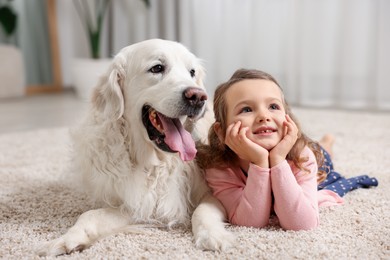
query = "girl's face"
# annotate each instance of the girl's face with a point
(258, 104)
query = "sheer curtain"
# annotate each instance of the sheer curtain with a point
(324, 53)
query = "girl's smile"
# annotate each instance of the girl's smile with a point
(265, 131)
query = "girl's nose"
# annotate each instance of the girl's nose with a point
(263, 116)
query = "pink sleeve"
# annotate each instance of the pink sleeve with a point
(296, 202)
(247, 202)
(328, 198)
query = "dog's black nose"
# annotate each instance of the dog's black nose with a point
(195, 97)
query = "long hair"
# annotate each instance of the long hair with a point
(216, 154)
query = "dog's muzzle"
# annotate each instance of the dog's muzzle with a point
(195, 99)
(167, 132)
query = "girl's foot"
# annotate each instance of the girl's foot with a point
(327, 142)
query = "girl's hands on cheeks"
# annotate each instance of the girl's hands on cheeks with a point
(246, 149)
(280, 151)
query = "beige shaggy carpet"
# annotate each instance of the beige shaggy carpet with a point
(36, 205)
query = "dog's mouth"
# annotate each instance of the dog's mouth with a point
(168, 133)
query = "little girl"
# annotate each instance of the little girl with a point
(258, 161)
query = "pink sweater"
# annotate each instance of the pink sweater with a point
(248, 200)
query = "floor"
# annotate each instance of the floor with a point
(40, 111)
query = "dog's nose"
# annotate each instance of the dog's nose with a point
(195, 97)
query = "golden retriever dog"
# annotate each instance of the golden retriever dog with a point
(136, 147)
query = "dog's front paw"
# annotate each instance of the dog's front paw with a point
(214, 239)
(66, 244)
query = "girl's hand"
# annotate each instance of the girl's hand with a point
(280, 151)
(237, 140)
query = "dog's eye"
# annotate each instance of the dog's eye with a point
(192, 72)
(157, 69)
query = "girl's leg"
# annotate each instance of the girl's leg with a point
(326, 169)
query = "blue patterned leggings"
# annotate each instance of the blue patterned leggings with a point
(335, 182)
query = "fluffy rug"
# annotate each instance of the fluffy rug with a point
(36, 205)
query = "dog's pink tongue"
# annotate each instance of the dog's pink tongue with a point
(178, 139)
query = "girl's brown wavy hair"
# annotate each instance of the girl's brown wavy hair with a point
(216, 154)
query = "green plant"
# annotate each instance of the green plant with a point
(8, 19)
(92, 16)
(92, 20)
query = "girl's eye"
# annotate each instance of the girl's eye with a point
(246, 110)
(274, 107)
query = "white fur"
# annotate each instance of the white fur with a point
(138, 183)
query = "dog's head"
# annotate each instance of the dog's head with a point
(156, 86)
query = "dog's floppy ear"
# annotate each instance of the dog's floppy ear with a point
(107, 97)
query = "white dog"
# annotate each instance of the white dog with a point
(135, 149)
